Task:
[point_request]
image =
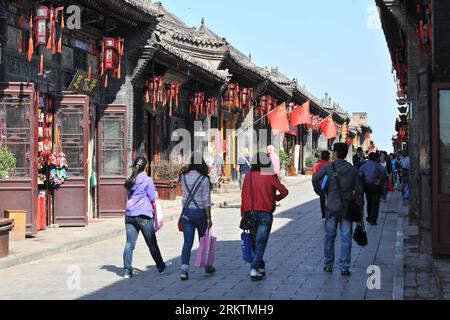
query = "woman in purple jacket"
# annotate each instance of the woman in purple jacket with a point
(139, 216)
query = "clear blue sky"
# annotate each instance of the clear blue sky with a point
(326, 44)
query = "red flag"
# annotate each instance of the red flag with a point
(278, 119)
(328, 128)
(301, 115)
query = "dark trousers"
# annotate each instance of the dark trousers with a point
(323, 204)
(373, 195)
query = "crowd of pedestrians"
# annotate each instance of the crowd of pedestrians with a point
(339, 184)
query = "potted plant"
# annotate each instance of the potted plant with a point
(167, 175)
(285, 160)
(7, 163)
(310, 161)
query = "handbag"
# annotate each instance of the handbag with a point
(246, 245)
(390, 185)
(158, 220)
(360, 234)
(352, 210)
(248, 221)
(206, 254)
(406, 193)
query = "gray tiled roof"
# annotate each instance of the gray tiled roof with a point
(221, 74)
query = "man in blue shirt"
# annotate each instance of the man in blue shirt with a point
(373, 176)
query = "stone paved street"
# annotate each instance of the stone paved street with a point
(294, 262)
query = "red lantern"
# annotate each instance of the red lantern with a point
(40, 29)
(109, 54)
(112, 52)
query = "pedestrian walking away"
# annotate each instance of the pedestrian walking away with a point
(325, 159)
(387, 166)
(350, 189)
(373, 176)
(259, 197)
(358, 158)
(196, 214)
(139, 216)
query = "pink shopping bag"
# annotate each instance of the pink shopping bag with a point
(206, 254)
(158, 220)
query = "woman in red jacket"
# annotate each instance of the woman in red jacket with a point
(259, 197)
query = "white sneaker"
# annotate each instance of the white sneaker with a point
(255, 275)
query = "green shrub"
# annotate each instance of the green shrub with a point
(310, 161)
(285, 159)
(7, 163)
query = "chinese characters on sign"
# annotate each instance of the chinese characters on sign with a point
(82, 84)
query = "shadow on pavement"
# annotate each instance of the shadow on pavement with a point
(294, 259)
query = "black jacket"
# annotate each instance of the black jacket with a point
(349, 180)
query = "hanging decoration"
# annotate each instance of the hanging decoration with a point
(344, 132)
(400, 67)
(246, 98)
(154, 91)
(315, 122)
(171, 96)
(424, 28)
(58, 169)
(111, 58)
(266, 104)
(197, 104)
(159, 93)
(232, 97)
(46, 26)
(212, 107)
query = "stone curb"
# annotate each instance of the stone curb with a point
(398, 287)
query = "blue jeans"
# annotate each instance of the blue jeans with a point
(346, 240)
(260, 237)
(133, 226)
(191, 220)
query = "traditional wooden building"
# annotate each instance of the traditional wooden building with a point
(417, 37)
(71, 135)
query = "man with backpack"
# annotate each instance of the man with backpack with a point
(343, 185)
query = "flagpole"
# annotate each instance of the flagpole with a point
(250, 126)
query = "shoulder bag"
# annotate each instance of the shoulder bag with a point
(248, 221)
(352, 210)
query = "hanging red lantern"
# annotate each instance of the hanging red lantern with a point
(41, 17)
(232, 97)
(112, 52)
(197, 104)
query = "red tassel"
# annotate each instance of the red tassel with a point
(60, 45)
(21, 35)
(106, 81)
(30, 42)
(101, 69)
(41, 65)
(89, 72)
(119, 71)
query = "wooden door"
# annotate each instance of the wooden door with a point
(112, 169)
(18, 133)
(71, 199)
(441, 168)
